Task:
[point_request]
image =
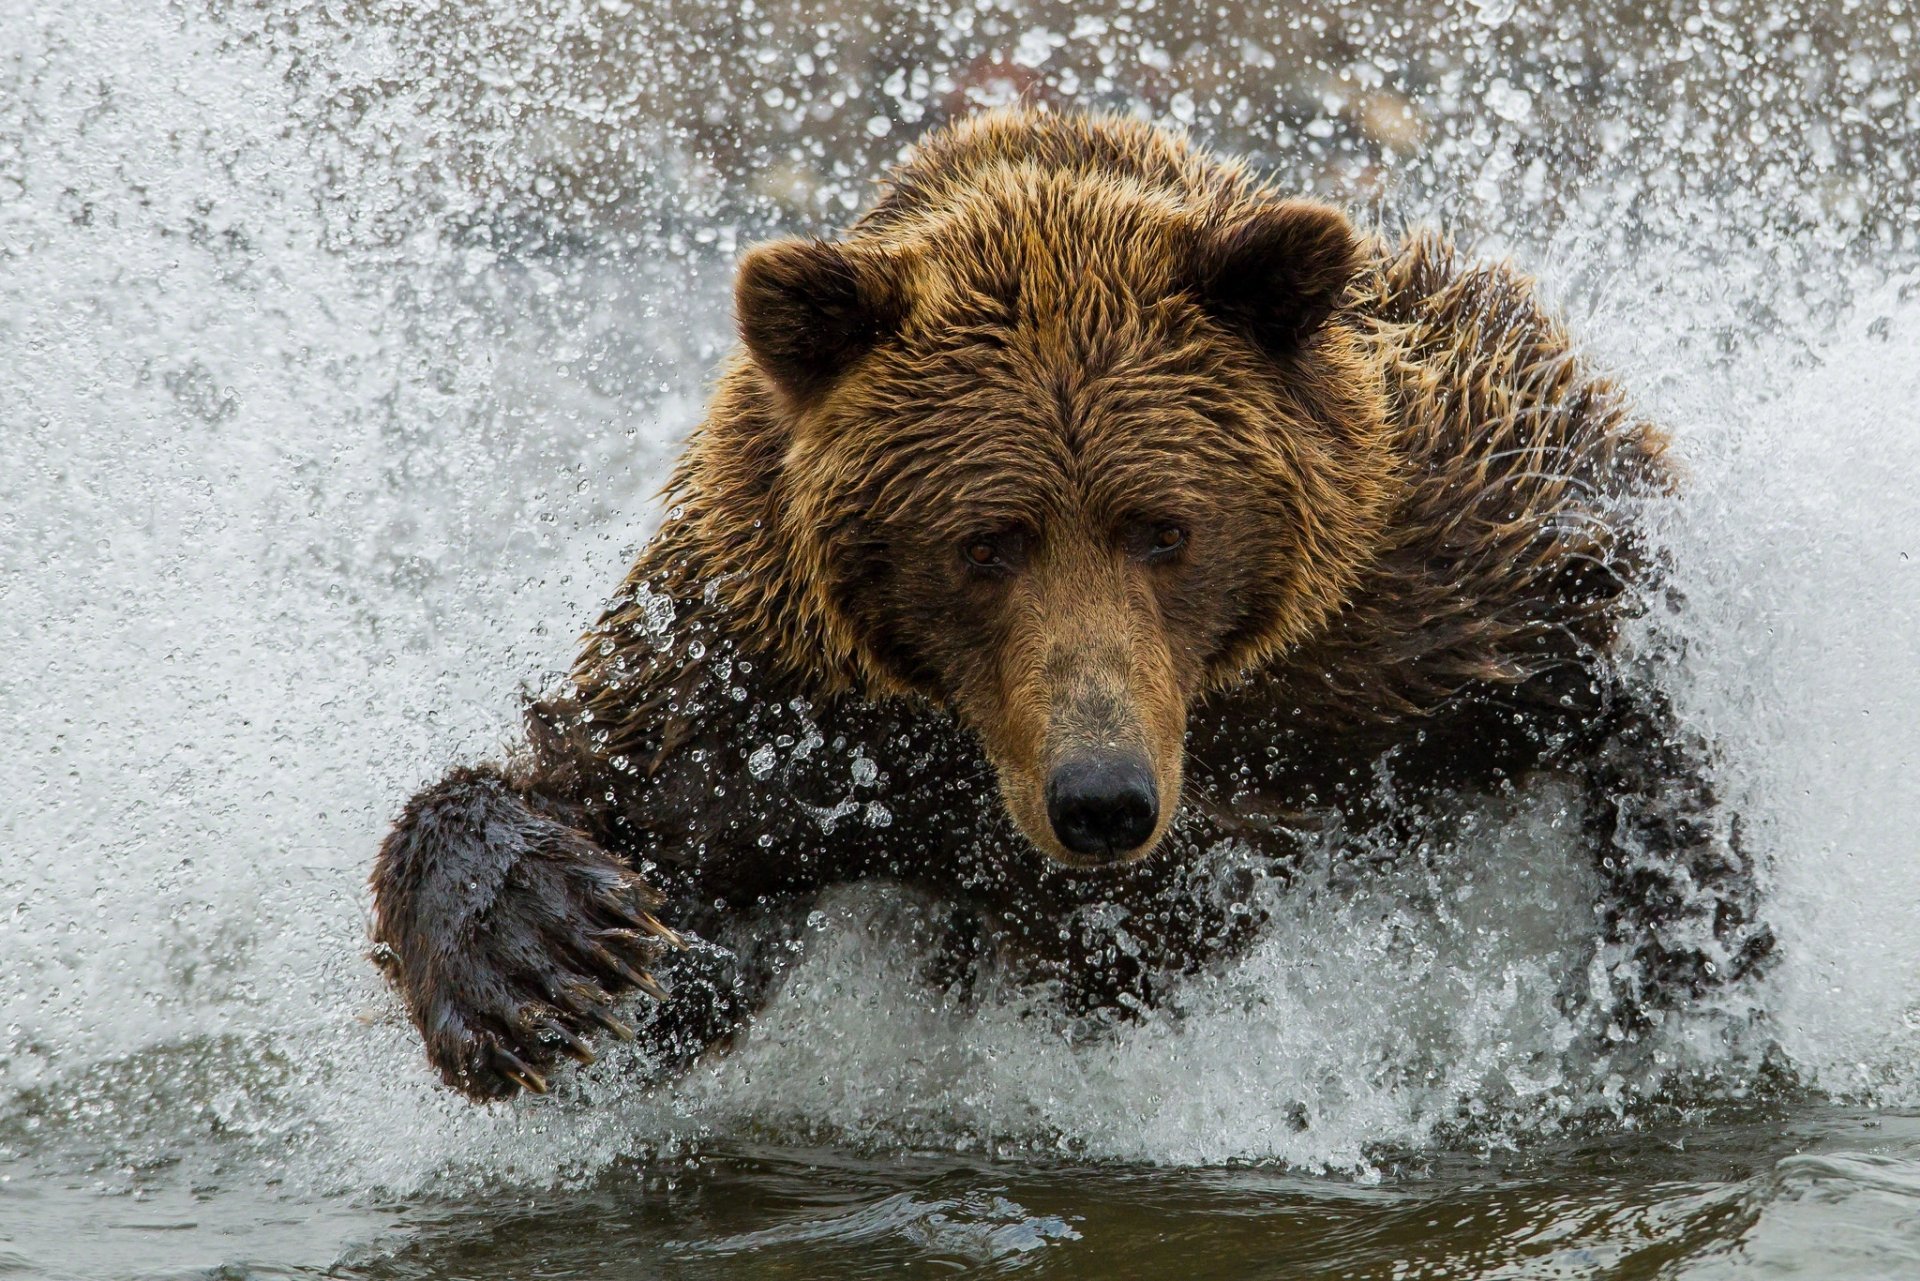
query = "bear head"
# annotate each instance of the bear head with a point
(1064, 452)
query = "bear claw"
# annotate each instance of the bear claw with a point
(575, 1048)
(511, 1066)
(606, 959)
(612, 1026)
(619, 908)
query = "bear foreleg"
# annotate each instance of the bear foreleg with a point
(1681, 903)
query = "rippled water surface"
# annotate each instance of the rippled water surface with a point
(342, 348)
(1817, 1192)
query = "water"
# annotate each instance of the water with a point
(342, 347)
(1824, 1193)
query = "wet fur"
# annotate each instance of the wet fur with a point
(1432, 573)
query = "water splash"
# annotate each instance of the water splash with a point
(338, 356)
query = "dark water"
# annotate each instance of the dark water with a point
(1817, 1192)
(1822, 1194)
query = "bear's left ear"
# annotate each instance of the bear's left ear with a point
(1277, 274)
(807, 309)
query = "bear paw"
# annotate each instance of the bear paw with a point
(509, 935)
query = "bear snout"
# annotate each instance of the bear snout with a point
(1103, 806)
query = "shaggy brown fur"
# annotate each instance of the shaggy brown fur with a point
(1081, 445)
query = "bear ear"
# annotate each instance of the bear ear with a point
(1277, 274)
(807, 309)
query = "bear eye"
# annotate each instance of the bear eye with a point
(1165, 541)
(991, 553)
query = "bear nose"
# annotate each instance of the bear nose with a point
(1103, 805)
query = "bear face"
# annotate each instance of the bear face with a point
(1062, 456)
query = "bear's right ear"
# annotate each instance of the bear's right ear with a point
(808, 309)
(1277, 274)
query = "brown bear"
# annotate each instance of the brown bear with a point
(1087, 503)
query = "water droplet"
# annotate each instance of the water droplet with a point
(1509, 101)
(761, 763)
(1494, 13)
(1035, 47)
